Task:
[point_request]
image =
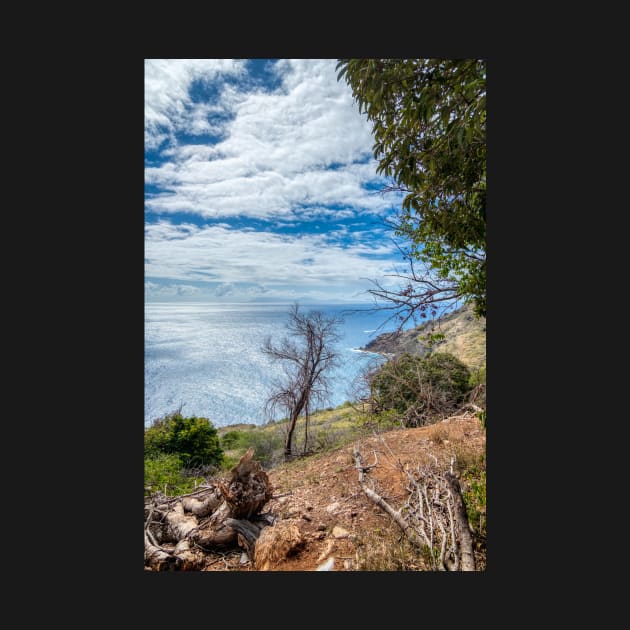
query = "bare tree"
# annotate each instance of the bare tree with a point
(307, 353)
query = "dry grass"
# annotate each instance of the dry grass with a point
(387, 549)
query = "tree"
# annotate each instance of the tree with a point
(307, 354)
(429, 126)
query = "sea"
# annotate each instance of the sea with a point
(206, 358)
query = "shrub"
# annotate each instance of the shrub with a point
(194, 440)
(232, 440)
(478, 377)
(268, 444)
(421, 390)
(447, 373)
(164, 472)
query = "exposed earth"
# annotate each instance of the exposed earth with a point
(339, 527)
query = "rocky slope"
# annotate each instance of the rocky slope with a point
(327, 520)
(465, 337)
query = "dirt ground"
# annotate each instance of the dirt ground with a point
(322, 497)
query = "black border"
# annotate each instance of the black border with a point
(106, 396)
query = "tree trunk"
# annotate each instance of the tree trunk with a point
(180, 530)
(295, 414)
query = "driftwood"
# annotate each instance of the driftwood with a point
(180, 530)
(435, 516)
(461, 518)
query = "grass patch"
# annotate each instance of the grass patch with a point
(387, 549)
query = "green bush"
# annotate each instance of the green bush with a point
(447, 373)
(194, 440)
(165, 472)
(232, 440)
(268, 446)
(478, 377)
(419, 389)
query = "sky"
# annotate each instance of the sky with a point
(260, 184)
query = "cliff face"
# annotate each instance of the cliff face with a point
(465, 337)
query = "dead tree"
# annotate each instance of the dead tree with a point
(434, 517)
(307, 354)
(180, 530)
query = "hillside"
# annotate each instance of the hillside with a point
(465, 337)
(322, 517)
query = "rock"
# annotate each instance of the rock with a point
(321, 527)
(333, 507)
(275, 544)
(320, 536)
(347, 564)
(326, 566)
(244, 559)
(340, 532)
(327, 550)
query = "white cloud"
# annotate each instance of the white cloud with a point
(224, 288)
(154, 289)
(167, 102)
(233, 257)
(277, 148)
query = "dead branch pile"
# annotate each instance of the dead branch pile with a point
(179, 532)
(434, 517)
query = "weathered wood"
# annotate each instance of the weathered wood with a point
(180, 524)
(248, 534)
(158, 559)
(248, 489)
(217, 516)
(201, 506)
(463, 528)
(461, 548)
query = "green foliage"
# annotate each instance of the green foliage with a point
(429, 126)
(478, 377)
(164, 470)
(229, 461)
(432, 339)
(419, 389)
(474, 494)
(447, 373)
(193, 439)
(232, 440)
(267, 443)
(482, 415)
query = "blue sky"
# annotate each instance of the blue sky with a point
(260, 184)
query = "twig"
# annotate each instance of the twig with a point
(153, 541)
(148, 521)
(284, 494)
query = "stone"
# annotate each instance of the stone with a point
(340, 532)
(327, 551)
(333, 507)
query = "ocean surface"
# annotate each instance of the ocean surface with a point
(207, 358)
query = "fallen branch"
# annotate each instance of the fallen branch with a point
(378, 500)
(436, 516)
(463, 527)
